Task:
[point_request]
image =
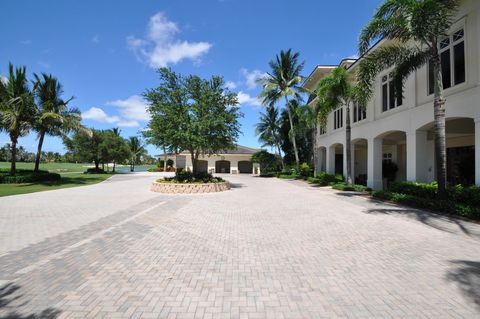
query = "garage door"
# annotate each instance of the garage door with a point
(245, 167)
(222, 167)
(202, 166)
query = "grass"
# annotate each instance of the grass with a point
(72, 176)
(67, 181)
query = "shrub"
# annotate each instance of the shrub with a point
(268, 174)
(189, 177)
(443, 206)
(305, 170)
(94, 170)
(27, 176)
(289, 176)
(325, 179)
(343, 187)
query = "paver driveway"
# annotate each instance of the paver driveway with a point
(266, 249)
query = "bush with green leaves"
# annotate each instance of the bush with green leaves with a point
(442, 206)
(350, 187)
(186, 176)
(27, 176)
(267, 161)
(306, 170)
(325, 179)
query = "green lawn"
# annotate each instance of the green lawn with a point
(68, 180)
(72, 176)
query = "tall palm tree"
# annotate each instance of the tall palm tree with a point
(137, 150)
(17, 109)
(333, 91)
(283, 81)
(268, 129)
(53, 117)
(403, 22)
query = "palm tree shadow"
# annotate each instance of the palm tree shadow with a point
(9, 294)
(467, 276)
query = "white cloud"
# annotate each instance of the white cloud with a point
(99, 115)
(251, 77)
(133, 108)
(131, 112)
(231, 85)
(247, 99)
(161, 47)
(96, 39)
(3, 79)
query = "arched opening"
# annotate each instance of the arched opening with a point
(460, 144)
(335, 160)
(360, 161)
(245, 167)
(394, 157)
(222, 167)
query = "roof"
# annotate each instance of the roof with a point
(238, 150)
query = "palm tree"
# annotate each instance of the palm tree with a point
(283, 81)
(17, 109)
(53, 117)
(268, 129)
(424, 23)
(137, 150)
(333, 91)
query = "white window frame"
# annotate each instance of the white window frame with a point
(387, 79)
(451, 47)
(338, 118)
(357, 111)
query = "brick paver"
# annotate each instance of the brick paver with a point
(267, 248)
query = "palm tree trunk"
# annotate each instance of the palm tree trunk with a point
(194, 163)
(113, 166)
(439, 129)
(41, 136)
(348, 144)
(13, 160)
(292, 129)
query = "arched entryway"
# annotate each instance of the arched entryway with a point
(360, 161)
(245, 167)
(222, 167)
(335, 159)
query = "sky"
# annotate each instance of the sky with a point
(106, 52)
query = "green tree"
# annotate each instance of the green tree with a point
(192, 114)
(266, 160)
(268, 129)
(304, 133)
(333, 91)
(414, 29)
(137, 151)
(86, 147)
(283, 81)
(53, 117)
(113, 148)
(17, 108)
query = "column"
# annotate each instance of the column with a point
(345, 161)
(375, 180)
(353, 162)
(477, 151)
(331, 160)
(417, 160)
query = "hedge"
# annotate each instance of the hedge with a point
(467, 195)
(444, 206)
(350, 187)
(27, 176)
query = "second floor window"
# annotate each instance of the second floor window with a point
(338, 118)
(452, 61)
(389, 98)
(322, 130)
(359, 113)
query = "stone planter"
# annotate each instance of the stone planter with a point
(174, 188)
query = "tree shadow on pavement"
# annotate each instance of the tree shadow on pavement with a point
(9, 294)
(466, 275)
(441, 222)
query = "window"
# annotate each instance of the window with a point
(322, 130)
(389, 99)
(387, 157)
(338, 118)
(452, 61)
(359, 113)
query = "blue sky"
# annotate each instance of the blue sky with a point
(105, 52)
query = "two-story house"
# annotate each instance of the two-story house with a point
(400, 131)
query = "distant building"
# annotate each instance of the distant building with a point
(235, 161)
(400, 131)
